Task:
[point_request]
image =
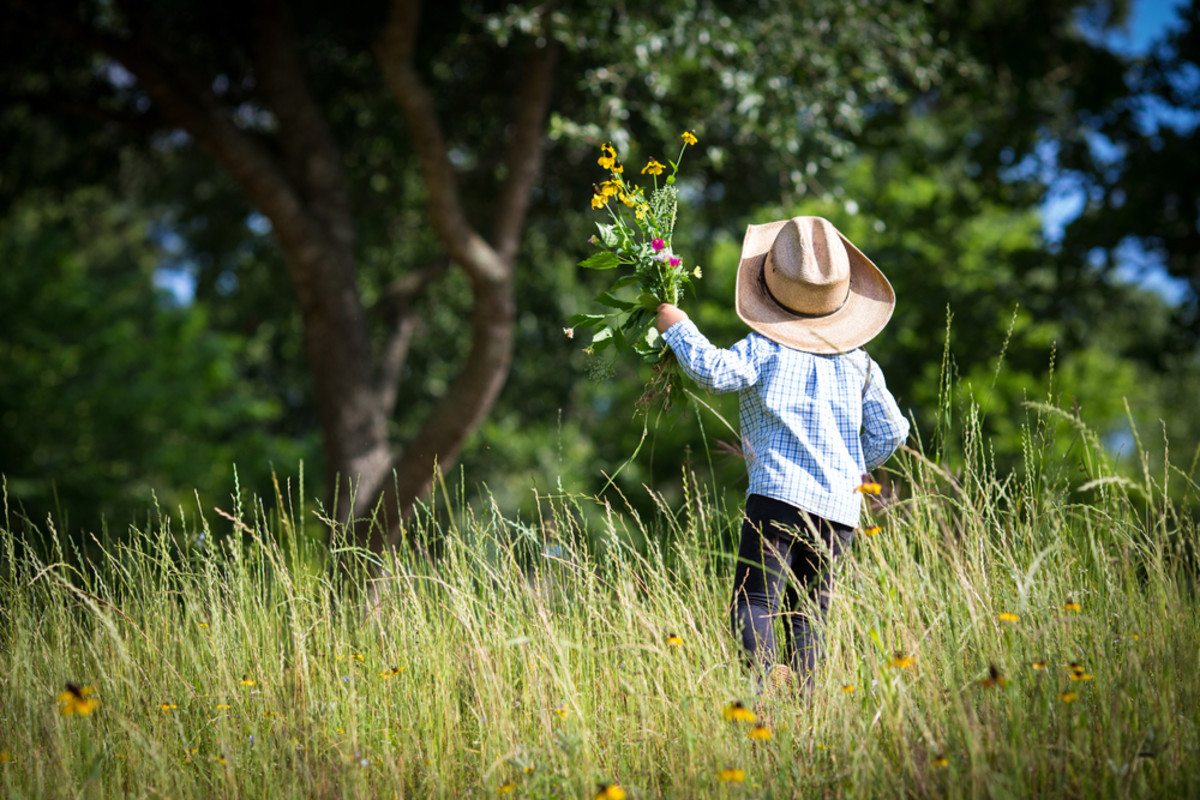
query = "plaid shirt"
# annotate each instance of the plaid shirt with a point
(809, 430)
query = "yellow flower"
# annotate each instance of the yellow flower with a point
(688, 137)
(641, 211)
(941, 761)
(736, 712)
(202, 624)
(1007, 616)
(760, 732)
(610, 188)
(674, 641)
(598, 201)
(1068, 697)
(610, 791)
(653, 167)
(507, 788)
(732, 775)
(223, 706)
(608, 156)
(872, 530)
(1040, 664)
(869, 486)
(247, 681)
(901, 661)
(78, 700)
(219, 759)
(1071, 605)
(847, 688)
(561, 710)
(5, 756)
(168, 707)
(696, 273)
(392, 672)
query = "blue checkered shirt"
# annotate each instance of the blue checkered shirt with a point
(809, 430)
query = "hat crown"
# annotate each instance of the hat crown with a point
(807, 269)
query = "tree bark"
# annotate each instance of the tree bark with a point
(489, 267)
(301, 188)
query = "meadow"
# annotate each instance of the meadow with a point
(1026, 634)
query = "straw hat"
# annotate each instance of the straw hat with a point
(804, 285)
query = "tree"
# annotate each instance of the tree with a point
(273, 98)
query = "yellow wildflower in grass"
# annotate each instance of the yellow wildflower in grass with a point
(732, 775)
(688, 137)
(529, 769)
(248, 681)
(167, 707)
(736, 712)
(1038, 665)
(219, 759)
(847, 688)
(5, 757)
(653, 167)
(561, 710)
(1071, 605)
(1068, 697)
(507, 788)
(760, 733)
(872, 530)
(1008, 616)
(599, 201)
(77, 700)
(202, 624)
(941, 761)
(610, 791)
(608, 156)
(610, 188)
(674, 641)
(901, 661)
(223, 706)
(392, 672)
(868, 486)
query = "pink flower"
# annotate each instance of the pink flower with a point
(658, 244)
(675, 262)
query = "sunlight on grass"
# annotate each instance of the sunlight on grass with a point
(994, 636)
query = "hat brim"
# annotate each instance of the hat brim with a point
(867, 309)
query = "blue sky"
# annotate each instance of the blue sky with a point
(1148, 21)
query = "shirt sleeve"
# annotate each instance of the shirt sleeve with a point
(712, 368)
(884, 428)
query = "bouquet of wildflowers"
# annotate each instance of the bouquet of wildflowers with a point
(637, 235)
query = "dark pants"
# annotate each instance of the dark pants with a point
(784, 561)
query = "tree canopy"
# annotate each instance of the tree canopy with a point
(375, 210)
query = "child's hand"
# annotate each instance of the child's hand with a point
(668, 315)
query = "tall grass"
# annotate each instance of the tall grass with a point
(550, 657)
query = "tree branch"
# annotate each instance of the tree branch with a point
(312, 156)
(524, 158)
(395, 307)
(394, 50)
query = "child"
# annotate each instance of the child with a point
(815, 416)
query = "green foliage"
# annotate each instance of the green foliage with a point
(111, 392)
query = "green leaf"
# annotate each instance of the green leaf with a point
(586, 320)
(648, 301)
(602, 260)
(608, 235)
(608, 299)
